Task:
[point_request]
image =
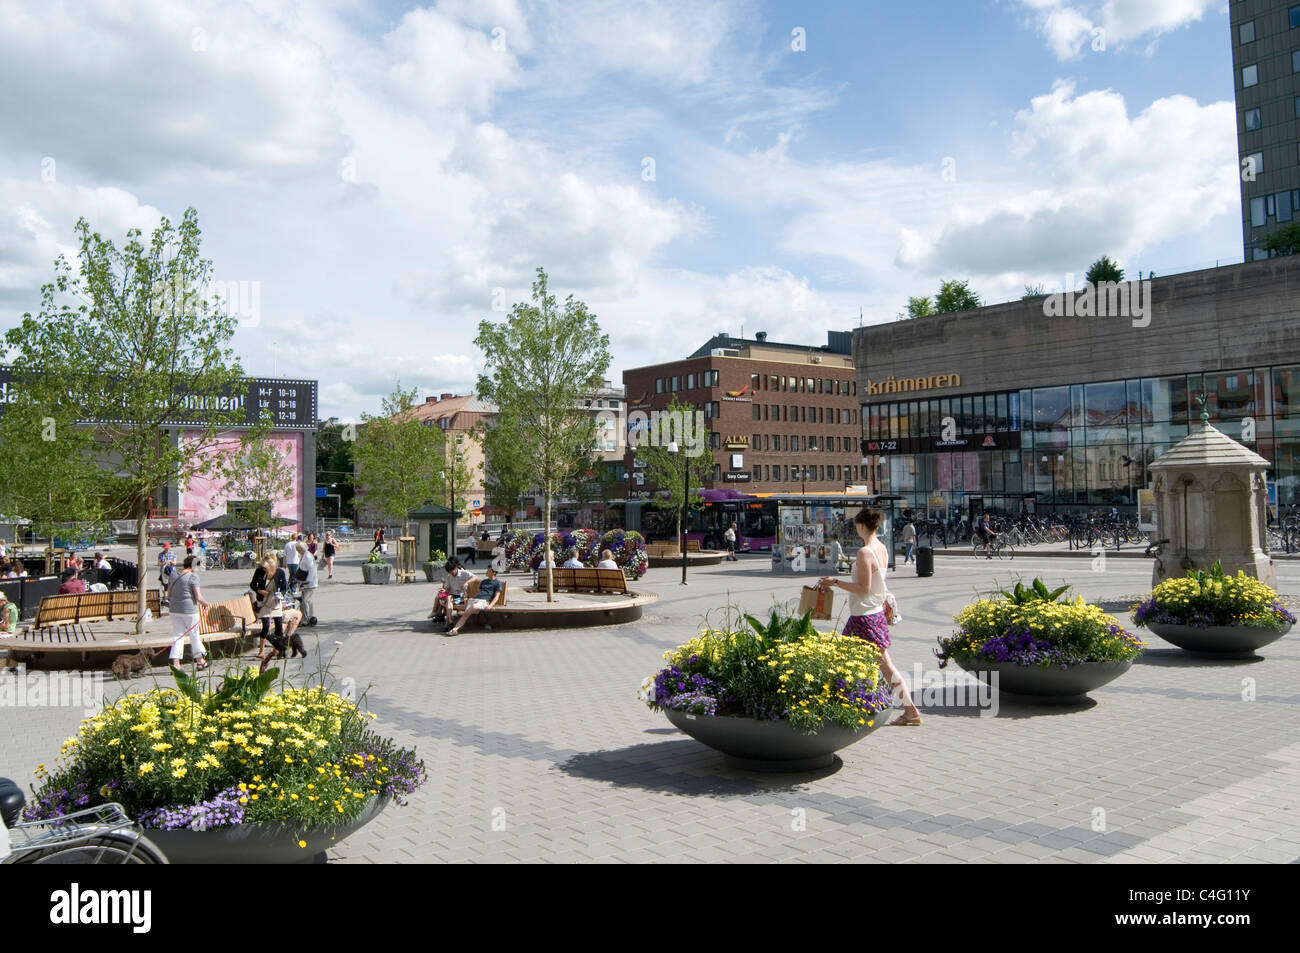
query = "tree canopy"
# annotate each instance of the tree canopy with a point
(401, 461)
(1284, 241)
(1103, 269)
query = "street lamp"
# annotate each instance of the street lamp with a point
(686, 492)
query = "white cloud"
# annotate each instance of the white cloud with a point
(1072, 27)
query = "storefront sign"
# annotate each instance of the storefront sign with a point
(736, 477)
(977, 442)
(892, 385)
(736, 443)
(739, 400)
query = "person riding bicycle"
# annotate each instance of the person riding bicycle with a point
(985, 532)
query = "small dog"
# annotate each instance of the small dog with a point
(132, 665)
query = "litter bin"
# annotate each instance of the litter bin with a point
(925, 561)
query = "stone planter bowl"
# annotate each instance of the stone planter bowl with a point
(1225, 641)
(755, 745)
(261, 843)
(377, 574)
(1049, 686)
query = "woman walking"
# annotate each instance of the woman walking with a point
(329, 554)
(271, 584)
(186, 601)
(379, 541)
(867, 606)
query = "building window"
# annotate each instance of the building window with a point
(711, 410)
(812, 443)
(1297, 107)
(1295, 62)
(659, 385)
(673, 385)
(1252, 119)
(1283, 202)
(753, 381)
(1295, 16)
(1253, 163)
(773, 382)
(758, 473)
(1250, 75)
(794, 444)
(1246, 32)
(1258, 215)
(690, 382)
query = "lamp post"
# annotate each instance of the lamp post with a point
(686, 492)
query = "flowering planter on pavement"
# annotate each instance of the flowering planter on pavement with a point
(1047, 685)
(1209, 612)
(756, 745)
(1225, 640)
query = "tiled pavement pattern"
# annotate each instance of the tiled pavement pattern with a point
(538, 749)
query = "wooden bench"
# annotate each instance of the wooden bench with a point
(78, 607)
(471, 590)
(583, 580)
(228, 616)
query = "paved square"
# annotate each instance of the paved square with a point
(539, 750)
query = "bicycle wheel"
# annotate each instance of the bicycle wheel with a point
(1007, 551)
(112, 848)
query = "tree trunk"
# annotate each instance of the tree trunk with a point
(546, 544)
(141, 538)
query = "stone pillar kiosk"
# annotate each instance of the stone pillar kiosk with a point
(1212, 506)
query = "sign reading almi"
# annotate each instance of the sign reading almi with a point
(892, 385)
(290, 403)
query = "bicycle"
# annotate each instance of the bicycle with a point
(94, 835)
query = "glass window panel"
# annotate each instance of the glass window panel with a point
(1283, 202)
(1076, 406)
(1252, 118)
(967, 420)
(1249, 75)
(1293, 14)
(1258, 212)
(1051, 407)
(1231, 395)
(1246, 32)
(1286, 391)
(1000, 412)
(1295, 62)
(1104, 404)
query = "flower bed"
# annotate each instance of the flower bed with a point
(524, 550)
(189, 758)
(1032, 626)
(785, 670)
(1209, 597)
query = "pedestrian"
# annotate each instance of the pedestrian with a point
(290, 560)
(70, 584)
(455, 580)
(730, 537)
(8, 615)
(867, 593)
(328, 551)
(379, 541)
(606, 560)
(909, 541)
(189, 544)
(166, 567)
(306, 578)
(185, 601)
(271, 586)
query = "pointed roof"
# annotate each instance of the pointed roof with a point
(1208, 447)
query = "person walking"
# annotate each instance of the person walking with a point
(271, 586)
(328, 551)
(730, 537)
(290, 559)
(379, 541)
(867, 593)
(909, 541)
(185, 601)
(307, 585)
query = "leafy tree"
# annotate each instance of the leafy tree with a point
(1284, 241)
(401, 461)
(458, 473)
(1033, 291)
(129, 337)
(668, 472)
(1103, 269)
(538, 366)
(955, 296)
(50, 481)
(256, 472)
(917, 308)
(335, 464)
(507, 471)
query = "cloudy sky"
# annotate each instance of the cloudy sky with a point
(389, 173)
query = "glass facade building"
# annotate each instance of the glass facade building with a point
(1073, 447)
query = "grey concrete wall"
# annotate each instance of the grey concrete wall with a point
(1237, 316)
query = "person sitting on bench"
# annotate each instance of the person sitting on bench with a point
(489, 594)
(452, 591)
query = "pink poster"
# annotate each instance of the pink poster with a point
(205, 496)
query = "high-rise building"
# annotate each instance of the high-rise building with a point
(1266, 68)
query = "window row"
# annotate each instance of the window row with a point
(671, 385)
(778, 473)
(796, 413)
(943, 418)
(778, 443)
(803, 385)
(1246, 31)
(1279, 206)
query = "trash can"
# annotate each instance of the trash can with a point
(925, 561)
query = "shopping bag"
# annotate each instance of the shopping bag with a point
(383, 548)
(817, 601)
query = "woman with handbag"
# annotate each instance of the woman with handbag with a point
(270, 585)
(867, 606)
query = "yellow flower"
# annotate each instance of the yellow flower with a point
(146, 767)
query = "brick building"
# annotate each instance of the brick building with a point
(779, 417)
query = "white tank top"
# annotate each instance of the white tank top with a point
(873, 601)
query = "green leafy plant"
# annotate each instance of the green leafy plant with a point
(1036, 592)
(240, 689)
(437, 557)
(377, 559)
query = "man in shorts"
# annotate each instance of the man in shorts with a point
(489, 594)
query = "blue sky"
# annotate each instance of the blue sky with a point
(385, 172)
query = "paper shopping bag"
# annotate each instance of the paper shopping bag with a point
(814, 600)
